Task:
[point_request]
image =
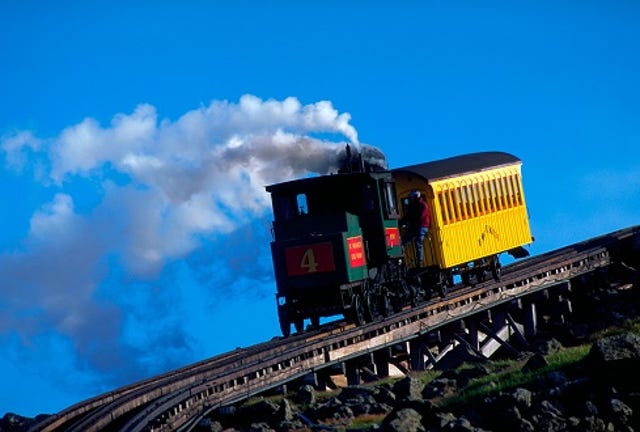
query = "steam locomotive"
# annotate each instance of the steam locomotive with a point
(338, 250)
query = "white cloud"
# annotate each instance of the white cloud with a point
(202, 173)
(55, 220)
(16, 145)
(86, 146)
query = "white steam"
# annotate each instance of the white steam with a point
(163, 190)
(204, 172)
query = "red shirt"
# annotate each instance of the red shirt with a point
(425, 215)
(418, 214)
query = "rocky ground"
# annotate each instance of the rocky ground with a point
(584, 376)
(601, 392)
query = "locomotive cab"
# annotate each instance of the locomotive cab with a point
(330, 233)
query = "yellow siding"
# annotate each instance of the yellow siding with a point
(480, 237)
(472, 215)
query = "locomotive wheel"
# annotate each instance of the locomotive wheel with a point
(413, 295)
(397, 303)
(416, 294)
(466, 279)
(285, 327)
(315, 321)
(496, 269)
(369, 306)
(285, 324)
(443, 288)
(481, 275)
(401, 297)
(427, 293)
(450, 280)
(447, 282)
(368, 302)
(357, 310)
(385, 307)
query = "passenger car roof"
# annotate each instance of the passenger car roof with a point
(458, 165)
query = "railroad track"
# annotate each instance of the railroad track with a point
(178, 399)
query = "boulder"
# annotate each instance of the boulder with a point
(408, 388)
(615, 360)
(467, 374)
(260, 427)
(385, 396)
(589, 409)
(440, 420)
(462, 424)
(522, 398)
(362, 400)
(621, 412)
(460, 355)
(207, 425)
(403, 420)
(356, 395)
(332, 409)
(285, 412)
(263, 410)
(548, 417)
(547, 346)
(306, 395)
(592, 424)
(536, 362)
(512, 420)
(439, 387)
(15, 423)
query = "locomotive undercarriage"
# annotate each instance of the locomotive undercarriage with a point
(382, 294)
(390, 288)
(387, 290)
(294, 311)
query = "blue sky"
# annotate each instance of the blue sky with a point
(136, 141)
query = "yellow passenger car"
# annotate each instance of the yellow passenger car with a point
(478, 210)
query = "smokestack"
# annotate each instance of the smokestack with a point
(361, 158)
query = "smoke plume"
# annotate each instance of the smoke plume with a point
(144, 203)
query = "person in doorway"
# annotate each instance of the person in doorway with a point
(417, 220)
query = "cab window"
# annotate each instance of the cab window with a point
(301, 200)
(390, 200)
